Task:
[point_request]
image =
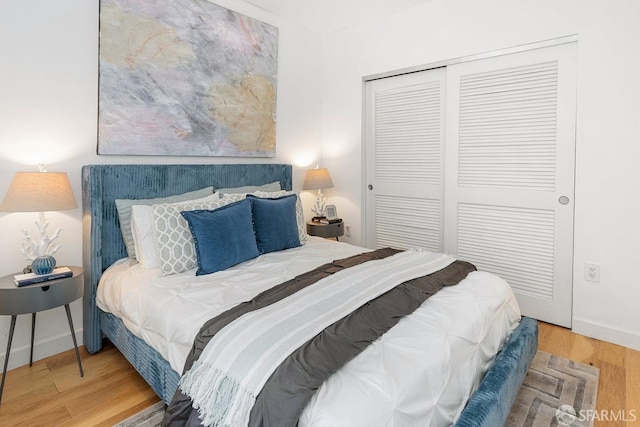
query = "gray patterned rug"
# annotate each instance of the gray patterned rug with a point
(149, 417)
(554, 392)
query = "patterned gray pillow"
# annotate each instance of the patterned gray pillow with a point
(176, 248)
(234, 197)
(272, 186)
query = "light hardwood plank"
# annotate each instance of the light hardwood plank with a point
(633, 386)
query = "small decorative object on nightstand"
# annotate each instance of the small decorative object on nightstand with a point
(15, 300)
(332, 213)
(318, 179)
(333, 230)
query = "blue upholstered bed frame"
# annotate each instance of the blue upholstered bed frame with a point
(103, 245)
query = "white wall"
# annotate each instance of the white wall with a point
(48, 114)
(607, 200)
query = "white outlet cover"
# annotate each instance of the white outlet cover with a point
(591, 272)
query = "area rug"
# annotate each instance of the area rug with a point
(555, 392)
(149, 417)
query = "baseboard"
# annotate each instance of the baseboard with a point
(602, 332)
(41, 349)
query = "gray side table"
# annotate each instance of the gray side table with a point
(334, 230)
(39, 297)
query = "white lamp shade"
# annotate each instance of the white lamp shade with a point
(39, 192)
(317, 179)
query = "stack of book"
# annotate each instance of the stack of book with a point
(32, 278)
(330, 220)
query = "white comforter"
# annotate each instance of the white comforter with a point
(419, 373)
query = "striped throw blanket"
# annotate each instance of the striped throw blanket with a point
(224, 382)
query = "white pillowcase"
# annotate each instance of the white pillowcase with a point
(176, 249)
(144, 239)
(144, 233)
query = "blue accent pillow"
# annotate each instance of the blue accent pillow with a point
(274, 222)
(223, 237)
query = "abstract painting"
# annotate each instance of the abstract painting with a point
(185, 78)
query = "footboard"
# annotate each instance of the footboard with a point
(489, 406)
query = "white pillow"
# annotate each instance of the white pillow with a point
(302, 227)
(144, 234)
(176, 249)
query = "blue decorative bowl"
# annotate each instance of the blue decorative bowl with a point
(43, 264)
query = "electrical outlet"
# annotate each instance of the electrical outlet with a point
(347, 230)
(592, 272)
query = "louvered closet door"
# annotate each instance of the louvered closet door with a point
(404, 170)
(510, 173)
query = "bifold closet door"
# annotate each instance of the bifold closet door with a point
(404, 146)
(509, 180)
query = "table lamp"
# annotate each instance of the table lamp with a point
(39, 192)
(318, 179)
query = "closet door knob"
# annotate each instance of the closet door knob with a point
(564, 200)
(370, 187)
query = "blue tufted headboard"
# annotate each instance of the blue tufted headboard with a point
(103, 184)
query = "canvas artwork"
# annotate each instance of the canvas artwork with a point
(185, 78)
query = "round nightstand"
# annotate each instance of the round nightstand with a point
(16, 300)
(334, 230)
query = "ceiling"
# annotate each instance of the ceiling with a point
(324, 16)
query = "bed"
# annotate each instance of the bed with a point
(103, 246)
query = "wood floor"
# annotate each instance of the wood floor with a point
(51, 392)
